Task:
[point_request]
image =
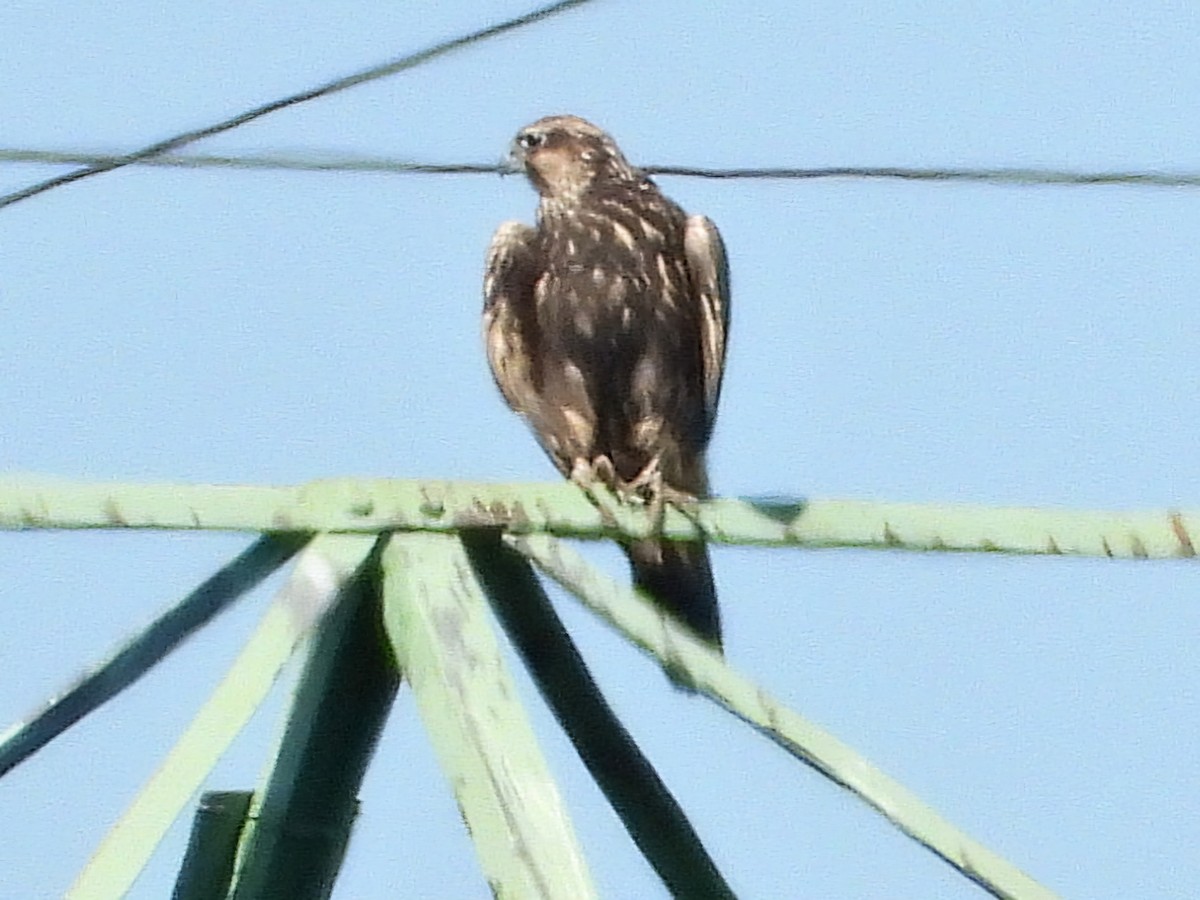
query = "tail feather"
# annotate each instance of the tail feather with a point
(679, 577)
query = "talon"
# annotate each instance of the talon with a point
(649, 481)
(604, 471)
(595, 478)
(581, 474)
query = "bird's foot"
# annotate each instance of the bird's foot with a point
(599, 481)
(596, 479)
(649, 488)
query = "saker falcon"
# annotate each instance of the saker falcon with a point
(605, 328)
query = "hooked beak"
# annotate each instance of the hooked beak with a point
(514, 162)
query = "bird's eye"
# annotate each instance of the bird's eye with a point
(530, 140)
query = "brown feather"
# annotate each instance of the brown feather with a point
(606, 329)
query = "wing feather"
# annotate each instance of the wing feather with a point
(705, 252)
(508, 285)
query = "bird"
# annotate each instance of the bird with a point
(605, 327)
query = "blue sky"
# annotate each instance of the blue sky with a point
(1006, 345)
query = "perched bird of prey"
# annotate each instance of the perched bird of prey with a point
(605, 329)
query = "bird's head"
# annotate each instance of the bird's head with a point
(565, 156)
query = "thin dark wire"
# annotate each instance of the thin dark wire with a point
(331, 87)
(311, 163)
(993, 176)
(329, 163)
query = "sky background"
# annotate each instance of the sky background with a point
(892, 341)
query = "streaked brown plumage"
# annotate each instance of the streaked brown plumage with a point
(605, 329)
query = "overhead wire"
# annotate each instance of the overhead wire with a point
(327, 162)
(161, 154)
(330, 87)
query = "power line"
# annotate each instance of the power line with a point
(331, 87)
(301, 163)
(1001, 175)
(318, 162)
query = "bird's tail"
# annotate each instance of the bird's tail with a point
(679, 578)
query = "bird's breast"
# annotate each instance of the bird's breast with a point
(612, 288)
